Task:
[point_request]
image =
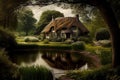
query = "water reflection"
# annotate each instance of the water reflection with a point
(52, 59)
(57, 61)
(26, 56)
(65, 61)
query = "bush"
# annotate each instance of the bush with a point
(7, 39)
(46, 41)
(26, 39)
(80, 45)
(8, 71)
(102, 73)
(85, 39)
(96, 74)
(105, 57)
(102, 34)
(105, 54)
(35, 73)
(68, 41)
(105, 43)
(31, 39)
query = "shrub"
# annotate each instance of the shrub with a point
(102, 73)
(102, 34)
(31, 39)
(80, 45)
(105, 43)
(105, 54)
(105, 57)
(35, 73)
(96, 74)
(8, 71)
(7, 39)
(85, 39)
(68, 41)
(46, 41)
(26, 40)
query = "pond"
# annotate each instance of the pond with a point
(57, 61)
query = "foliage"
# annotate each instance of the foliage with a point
(80, 45)
(104, 43)
(85, 39)
(106, 57)
(104, 54)
(46, 17)
(102, 73)
(8, 71)
(95, 23)
(68, 41)
(7, 40)
(97, 74)
(31, 39)
(46, 41)
(35, 73)
(26, 22)
(102, 34)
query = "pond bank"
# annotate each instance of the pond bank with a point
(45, 46)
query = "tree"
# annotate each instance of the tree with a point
(114, 29)
(46, 17)
(26, 21)
(95, 23)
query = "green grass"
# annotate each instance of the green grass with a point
(102, 73)
(94, 49)
(41, 45)
(35, 73)
(104, 53)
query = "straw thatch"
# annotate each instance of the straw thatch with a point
(65, 22)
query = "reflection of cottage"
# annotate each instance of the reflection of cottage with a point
(65, 27)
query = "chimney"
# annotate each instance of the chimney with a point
(53, 18)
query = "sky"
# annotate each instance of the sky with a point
(37, 10)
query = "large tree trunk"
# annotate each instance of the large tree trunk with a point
(114, 29)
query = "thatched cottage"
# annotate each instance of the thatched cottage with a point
(65, 27)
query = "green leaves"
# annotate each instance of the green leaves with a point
(26, 22)
(46, 17)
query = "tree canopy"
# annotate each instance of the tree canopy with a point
(46, 17)
(26, 22)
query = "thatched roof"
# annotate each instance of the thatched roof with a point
(65, 22)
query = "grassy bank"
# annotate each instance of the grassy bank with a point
(35, 73)
(41, 45)
(102, 73)
(105, 54)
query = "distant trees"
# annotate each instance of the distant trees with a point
(46, 17)
(26, 22)
(95, 23)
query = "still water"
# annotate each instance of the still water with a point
(57, 61)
